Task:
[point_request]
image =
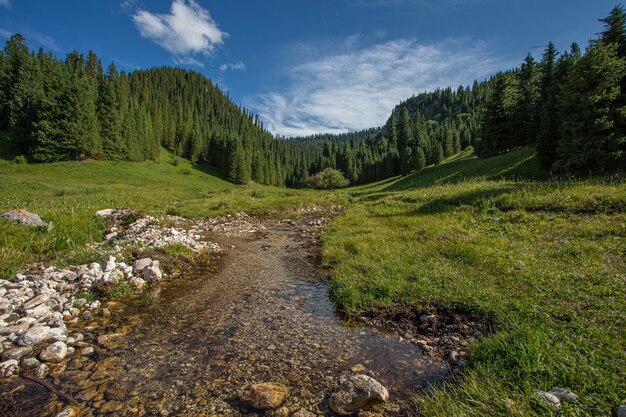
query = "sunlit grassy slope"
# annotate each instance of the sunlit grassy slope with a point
(545, 260)
(68, 194)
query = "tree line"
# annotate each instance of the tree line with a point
(570, 105)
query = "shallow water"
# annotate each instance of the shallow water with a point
(261, 312)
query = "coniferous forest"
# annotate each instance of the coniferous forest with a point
(569, 105)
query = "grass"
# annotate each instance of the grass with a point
(68, 194)
(546, 260)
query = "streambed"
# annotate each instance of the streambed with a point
(259, 312)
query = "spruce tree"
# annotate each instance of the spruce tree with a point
(547, 134)
(615, 29)
(527, 111)
(420, 159)
(589, 138)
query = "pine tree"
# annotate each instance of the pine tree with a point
(420, 159)
(405, 130)
(438, 154)
(407, 164)
(615, 29)
(588, 135)
(527, 111)
(498, 118)
(547, 134)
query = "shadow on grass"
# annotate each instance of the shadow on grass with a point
(205, 168)
(449, 203)
(517, 164)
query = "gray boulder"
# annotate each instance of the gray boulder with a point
(358, 392)
(23, 217)
(153, 272)
(140, 264)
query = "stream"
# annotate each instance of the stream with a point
(259, 312)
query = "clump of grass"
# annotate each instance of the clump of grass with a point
(178, 250)
(87, 296)
(121, 290)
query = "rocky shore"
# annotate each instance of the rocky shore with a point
(38, 305)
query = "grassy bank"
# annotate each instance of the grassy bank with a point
(68, 194)
(546, 260)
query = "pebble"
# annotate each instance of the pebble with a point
(549, 398)
(564, 394)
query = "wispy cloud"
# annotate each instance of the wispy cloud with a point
(186, 32)
(5, 3)
(358, 89)
(239, 66)
(32, 35)
(432, 4)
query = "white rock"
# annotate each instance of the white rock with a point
(8, 368)
(56, 352)
(621, 411)
(34, 335)
(57, 335)
(104, 212)
(41, 311)
(110, 264)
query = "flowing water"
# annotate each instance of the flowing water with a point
(260, 312)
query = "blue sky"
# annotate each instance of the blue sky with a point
(310, 66)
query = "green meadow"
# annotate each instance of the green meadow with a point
(543, 258)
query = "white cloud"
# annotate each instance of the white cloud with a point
(188, 30)
(239, 66)
(5, 3)
(358, 89)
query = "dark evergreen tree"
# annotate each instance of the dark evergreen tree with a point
(547, 134)
(588, 135)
